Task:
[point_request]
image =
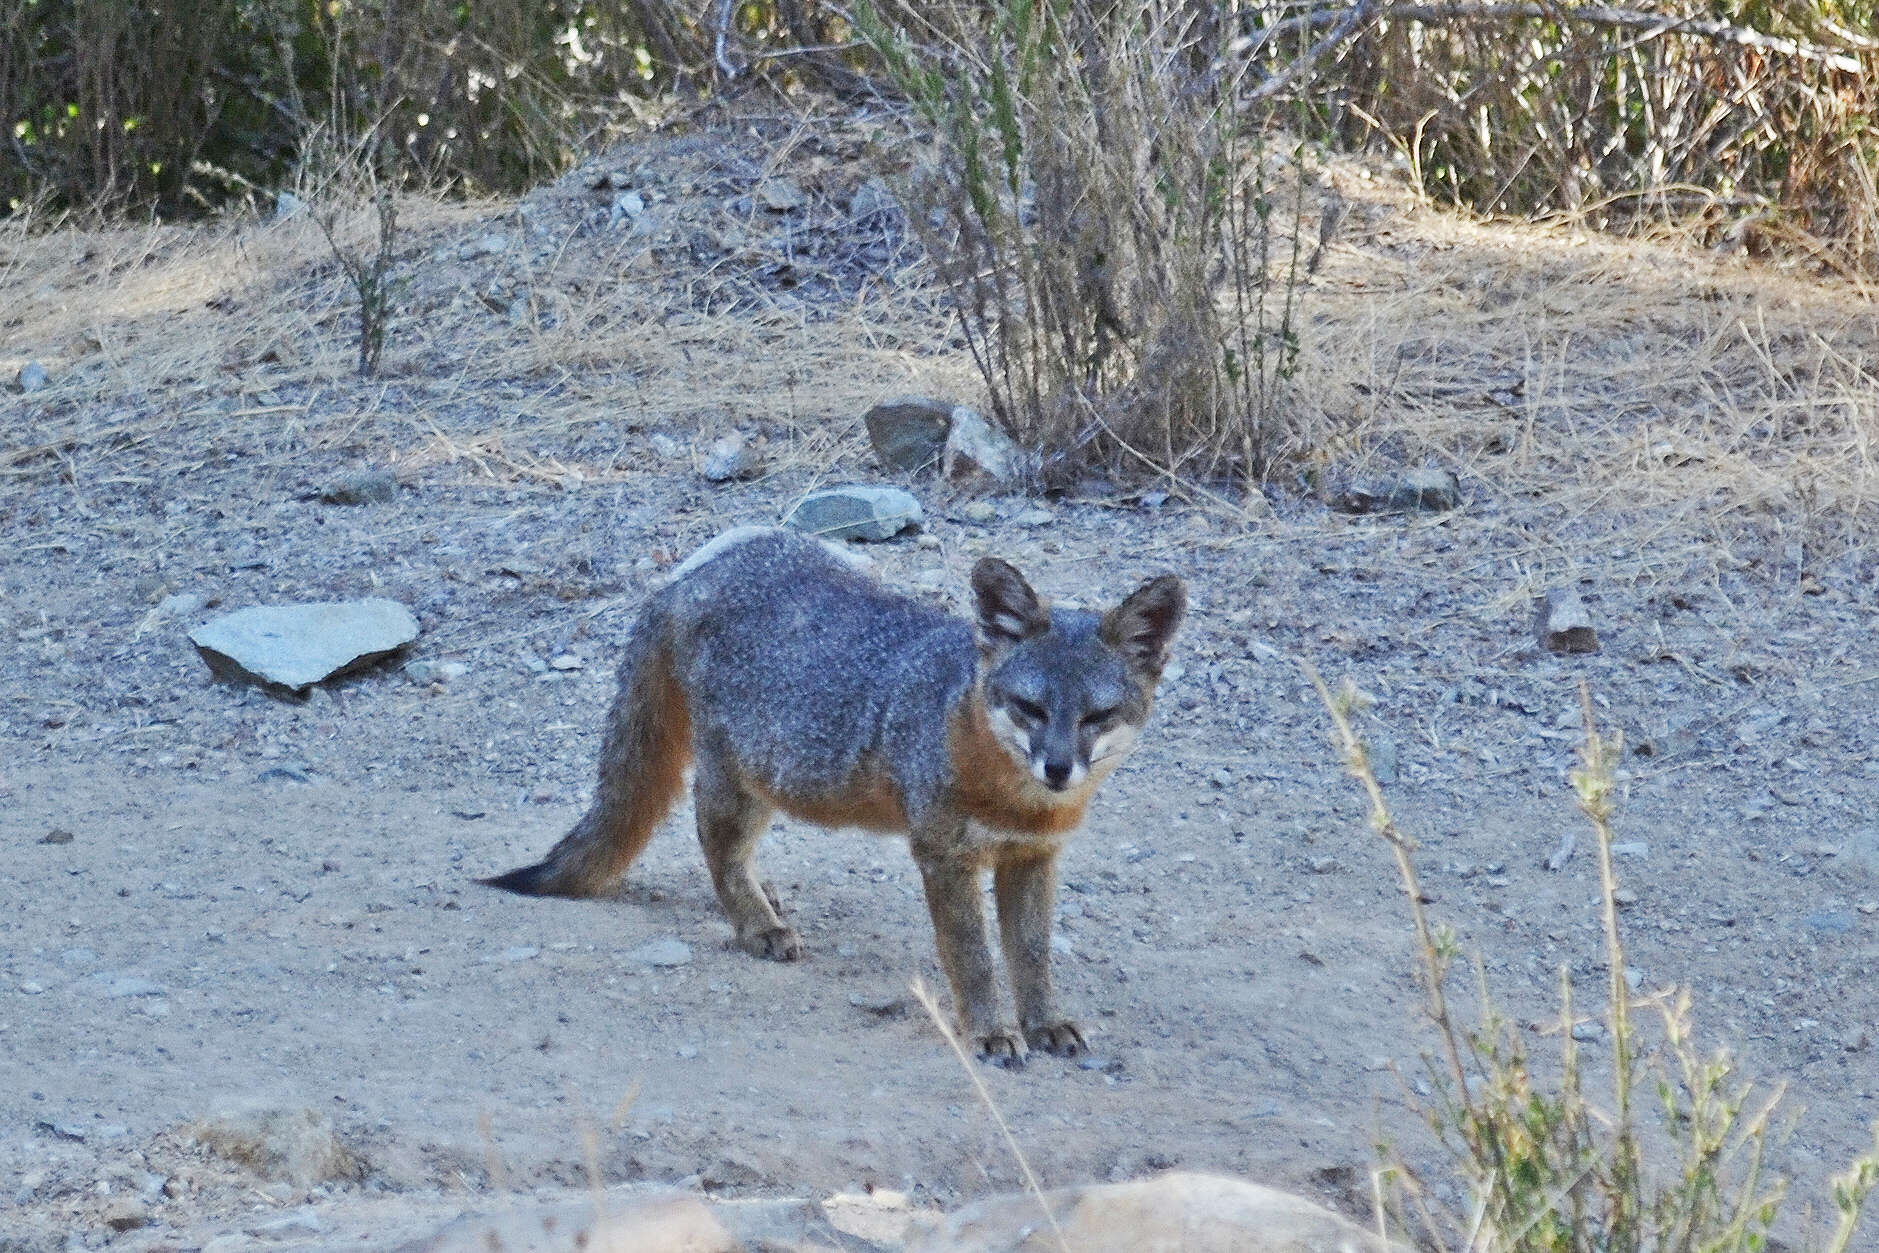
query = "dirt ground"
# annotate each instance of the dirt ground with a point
(212, 900)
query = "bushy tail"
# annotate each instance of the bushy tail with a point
(642, 768)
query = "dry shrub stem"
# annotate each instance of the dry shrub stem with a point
(371, 276)
(1104, 213)
(1551, 1171)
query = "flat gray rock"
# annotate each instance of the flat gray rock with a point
(295, 646)
(858, 511)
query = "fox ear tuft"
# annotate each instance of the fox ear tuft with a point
(1141, 627)
(1009, 612)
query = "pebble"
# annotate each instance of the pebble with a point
(1632, 848)
(1588, 1032)
(182, 604)
(117, 986)
(32, 377)
(424, 673)
(288, 1226)
(126, 1214)
(666, 446)
(32, 987)
(1035, 517)
(482, 246)
(361, 487)
(731, 457)
(1830, 922)
(58, 835)
(1624, 898)
(287, 205)
(519, 953)
(666, 952)
(779, 195)
(980, 512)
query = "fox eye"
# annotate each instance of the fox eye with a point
(1100, 717)
(1027, 710)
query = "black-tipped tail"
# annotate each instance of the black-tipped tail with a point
(536, 880)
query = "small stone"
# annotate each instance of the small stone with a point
(116, 986)
(1588, 1032)
(361, 487)
(518, 953)
(1433, 489)
(1624, 898)
(779, 195)
(295, 646)
(65, 1130)
(666, 446)
(1859, 852)
(32, 377)
(627, 205)
(909, 433)
(287, 205)
(976, 450)
(32, 988)
(1830, 922)
(482, 246)
(881, 1005)
(1564, 625)
(1638, 850)
(426, 672)
(286, 772)
(58, 835)
(731, 457)
(980, 512)
(1035, 516)
(1323, 865)
(126, 1214)
(666, 952)
(564, 662)
(182, 604)
(1856, 1041)
(1383, 758)
(289, 1226)
(858, 511)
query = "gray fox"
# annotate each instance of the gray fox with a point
(792, 679)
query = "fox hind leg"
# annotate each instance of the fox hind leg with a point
(731, 821)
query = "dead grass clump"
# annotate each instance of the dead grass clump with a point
(1101, 210)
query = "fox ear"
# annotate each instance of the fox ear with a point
(1009, 611)
(1141, 627)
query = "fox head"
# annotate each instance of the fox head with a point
(1066, 694)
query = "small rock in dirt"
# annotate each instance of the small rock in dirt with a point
(909, 433)
(296, 646)
(859, 511)
(116, 985)
(287, 205)
(779, 195)
(426, 672)
(286, 772)
(1035, 516)
(296, 1146)
(980, 512)
(1562, 852)
(361, 487)
(1588, 1032)
(519, 953)
(1860, 851)
(1624, 898)
(977, 450)
(1829, 922)
(732, 1170)
(565, 662)
(1856, 1040)
(1431, 488)
(126, 1214)
(1564, 626)
(1323, 865)
(288, 1226)
(731, 457)
(58, 835)
(665, 952)
(64, 1130)
(880, 1004)
(182, 604)
(666, 446)
(626, 206)
(32, 377)
(1637, 849)
(482, 246)
(1383, 758)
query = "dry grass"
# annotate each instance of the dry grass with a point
(1615, 407)
(1613, 401)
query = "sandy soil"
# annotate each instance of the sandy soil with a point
(269, 905)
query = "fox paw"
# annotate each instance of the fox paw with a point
(1003, 1048)
(778, 944)
(1063, 1039)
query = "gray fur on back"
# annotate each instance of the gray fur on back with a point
(836, 668)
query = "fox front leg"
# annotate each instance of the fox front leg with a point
(1026, 890)
(952, 897)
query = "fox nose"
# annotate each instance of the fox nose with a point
(1057, 773)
